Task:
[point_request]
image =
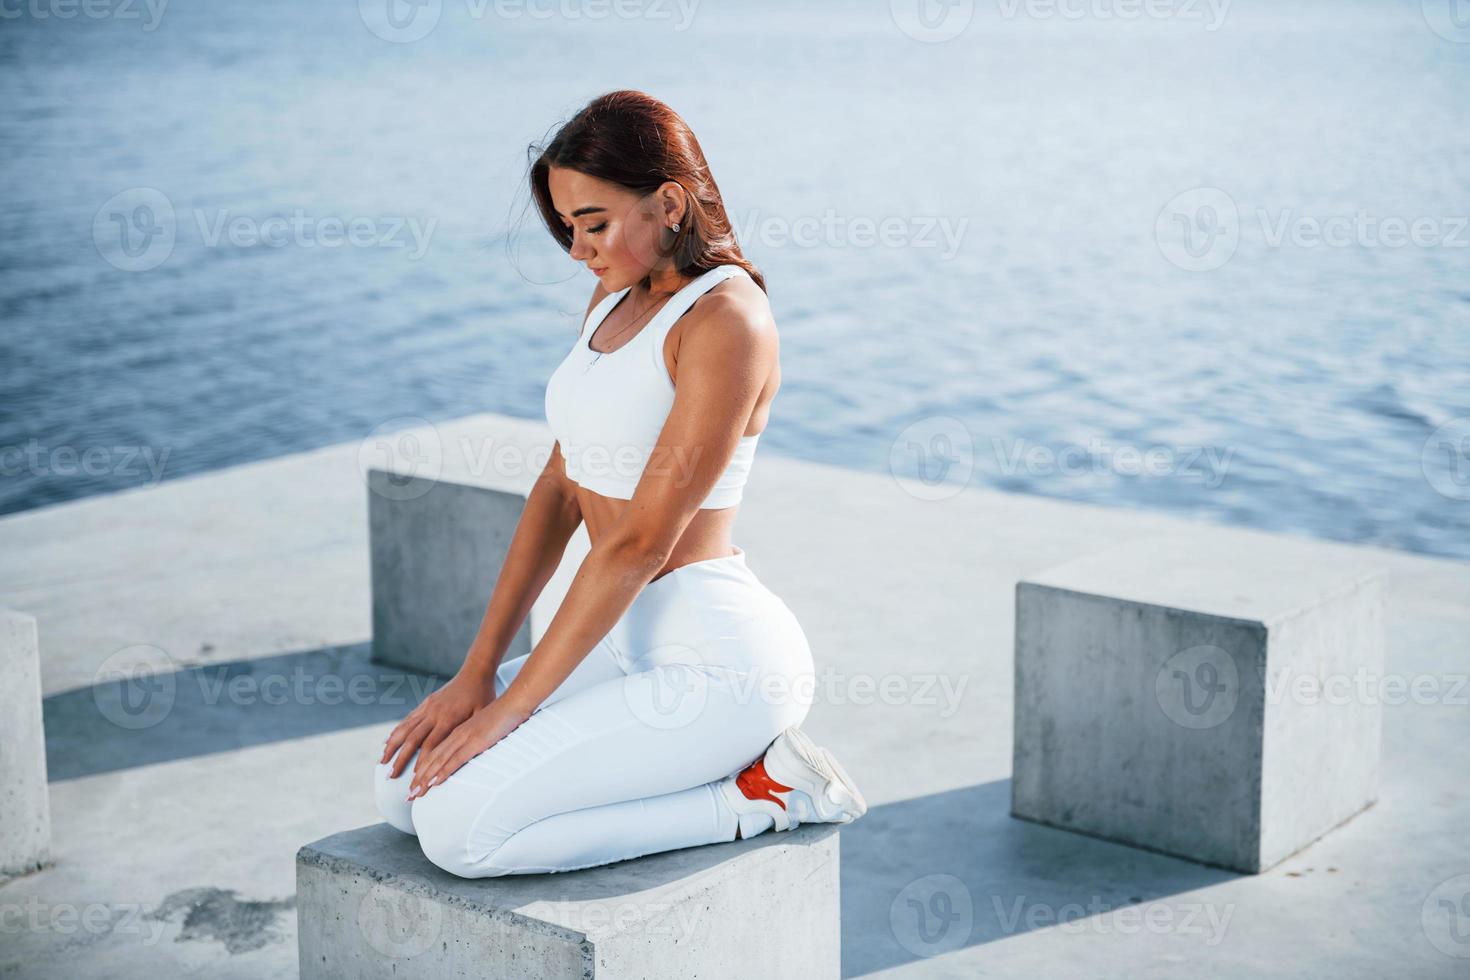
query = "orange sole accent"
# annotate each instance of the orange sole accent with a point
(757, 784)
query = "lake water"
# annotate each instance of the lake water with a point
(1207, 258)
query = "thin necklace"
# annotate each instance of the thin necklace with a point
(597, 354)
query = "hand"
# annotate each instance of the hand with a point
(435, 717)
(480, 731)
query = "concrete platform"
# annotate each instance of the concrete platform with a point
(25, 814)
(175, 856)
(1158, 697)
(372, 907)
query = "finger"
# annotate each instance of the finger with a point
(429, 750)
(400, 733)
(429, 765)
(410, 746)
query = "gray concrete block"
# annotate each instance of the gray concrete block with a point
(436, 547)
(1215, 697)
(370, 906)
(25, 812)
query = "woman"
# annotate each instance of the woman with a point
(660, 708)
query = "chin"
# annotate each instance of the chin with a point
(612, 279)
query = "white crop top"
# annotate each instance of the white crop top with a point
(607, 408)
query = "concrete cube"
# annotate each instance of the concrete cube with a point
(25, 812)
(1214, 697)
(437, 545)
(372, 907)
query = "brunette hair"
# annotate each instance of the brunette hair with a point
(634, 140)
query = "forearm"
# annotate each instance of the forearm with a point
(547, 523)
(608, 581)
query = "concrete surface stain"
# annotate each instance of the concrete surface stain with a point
(214, 913)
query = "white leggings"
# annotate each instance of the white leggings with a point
(702, 672)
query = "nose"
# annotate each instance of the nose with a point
(579, 250)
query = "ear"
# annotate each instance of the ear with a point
(673, 200)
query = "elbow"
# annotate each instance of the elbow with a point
(638, 553)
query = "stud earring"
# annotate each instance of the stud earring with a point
(675, 228)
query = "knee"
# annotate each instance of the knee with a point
(391, 796)
(445, 830)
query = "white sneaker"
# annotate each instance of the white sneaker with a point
(795, 782)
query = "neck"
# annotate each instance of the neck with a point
(665, 282)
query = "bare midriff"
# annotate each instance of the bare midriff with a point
(708, 534)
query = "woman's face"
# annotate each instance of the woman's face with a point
(616, 233)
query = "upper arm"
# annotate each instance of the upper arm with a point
(727, 348)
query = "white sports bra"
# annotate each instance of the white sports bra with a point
(606, 408)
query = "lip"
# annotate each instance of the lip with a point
(598, 272)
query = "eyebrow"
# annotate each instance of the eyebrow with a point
(589, 209)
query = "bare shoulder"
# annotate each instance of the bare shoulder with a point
(738, 306)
